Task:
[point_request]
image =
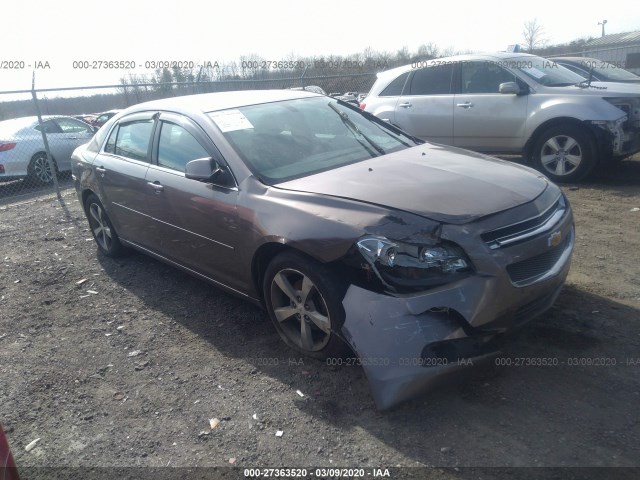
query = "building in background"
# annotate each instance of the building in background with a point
(620, 49)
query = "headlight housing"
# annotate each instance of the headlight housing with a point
(404, 266)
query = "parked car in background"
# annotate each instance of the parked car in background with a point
(310, 88)
(349, 97)
(348, 231)
(509, 103)
(22, 152)
(103, 117)
(599, 70)
(86, 117)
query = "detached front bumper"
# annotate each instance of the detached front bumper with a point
(408, 343)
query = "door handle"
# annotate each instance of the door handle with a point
(101, 171)
(405, 105)
(72, 138)
(156, 186)
(465, 105)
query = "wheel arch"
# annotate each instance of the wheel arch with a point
(264, 255)
(560, 121)
(85, 194)
(42, 152)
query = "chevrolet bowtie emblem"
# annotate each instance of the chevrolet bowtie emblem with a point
(554, 239)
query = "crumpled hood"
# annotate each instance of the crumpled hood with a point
(442, 183)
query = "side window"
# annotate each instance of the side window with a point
(394, 89)
(69, 125)
(132, 140)
(49, 127)
(177, 147)
(484, 77)
(435, 80)
(110, 147)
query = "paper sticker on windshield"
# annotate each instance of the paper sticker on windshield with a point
(534, 72)
(231, 120)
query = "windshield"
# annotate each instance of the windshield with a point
(610, 71)
(282, 141)
(545, 72)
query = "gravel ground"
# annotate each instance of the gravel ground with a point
(125, 362)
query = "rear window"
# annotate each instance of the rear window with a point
(395, 88)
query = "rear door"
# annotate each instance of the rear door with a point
(58, 144)
(485, 119)
(120, 169)
(196, 221)
(425, 108)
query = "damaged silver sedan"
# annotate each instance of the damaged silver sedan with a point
(353, 235)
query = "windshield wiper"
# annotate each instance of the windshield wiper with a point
(587, 83)
(354, 128)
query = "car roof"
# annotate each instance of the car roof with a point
(577, 59)
(494, 56)
(209, 102)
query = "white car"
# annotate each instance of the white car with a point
(509, 103)
(22, 152)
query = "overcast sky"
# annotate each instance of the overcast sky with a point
(140, 30)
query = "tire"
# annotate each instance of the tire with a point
(565, 153)
(307, 322)
(39, 172)
(102, 229)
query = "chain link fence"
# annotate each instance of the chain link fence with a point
(39, 129)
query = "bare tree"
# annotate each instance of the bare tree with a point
(427, 51)
(533, 35)
(403, 56)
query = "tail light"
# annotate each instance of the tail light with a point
(362, 106)
(4, 146)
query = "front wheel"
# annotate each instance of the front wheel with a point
(565, 153)
(304, 301)
(102, 228)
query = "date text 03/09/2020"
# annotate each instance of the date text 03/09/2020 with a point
(322, 472)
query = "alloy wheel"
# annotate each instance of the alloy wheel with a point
(300, 310)
(561, 155)
(100, 226)
(42, 170)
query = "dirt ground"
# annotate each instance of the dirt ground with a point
(124, 362)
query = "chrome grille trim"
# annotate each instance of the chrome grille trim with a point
(521, 231)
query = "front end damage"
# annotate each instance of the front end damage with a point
(491, 275)
(623, 134)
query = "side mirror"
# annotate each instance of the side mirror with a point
(202, 169)
(509, 87)
(209, 171)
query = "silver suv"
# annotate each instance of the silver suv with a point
(508, 103)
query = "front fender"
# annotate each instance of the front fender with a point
(545, 108)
